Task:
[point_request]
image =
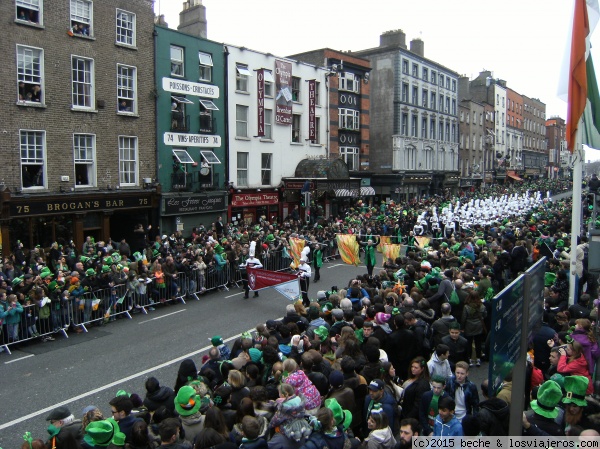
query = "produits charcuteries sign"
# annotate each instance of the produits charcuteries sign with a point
(283, 86)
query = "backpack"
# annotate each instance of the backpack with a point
(454, 300)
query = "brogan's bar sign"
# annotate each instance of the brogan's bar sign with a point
(254, 199)
(83, 205)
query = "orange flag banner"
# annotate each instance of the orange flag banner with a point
(383, 240)
(422, 241)
(348, 248)
(296, 247)
(390, 251)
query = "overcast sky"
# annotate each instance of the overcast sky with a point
(520, 41)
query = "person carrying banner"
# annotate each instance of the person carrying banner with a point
(370, 259)
(304, 272)
(251, 262)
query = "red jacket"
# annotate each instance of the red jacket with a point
(577, 367)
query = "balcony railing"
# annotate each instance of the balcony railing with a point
(182, 182)
(208, 125)
(179, 122)
(194, 182)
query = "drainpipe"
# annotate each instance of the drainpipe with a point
(226, 128)
(154, 218)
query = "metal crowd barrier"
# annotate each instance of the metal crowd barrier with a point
(99, 307)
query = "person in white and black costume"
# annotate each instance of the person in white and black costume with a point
(304, 272)
(251, 262)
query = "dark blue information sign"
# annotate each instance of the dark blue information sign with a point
(535, 290)
(506, 331)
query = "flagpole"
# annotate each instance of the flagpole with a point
(576, 211)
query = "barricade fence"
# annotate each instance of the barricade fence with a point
(78, 310)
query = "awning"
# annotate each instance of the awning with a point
(367, 191)
(339, 193)
(513, 175)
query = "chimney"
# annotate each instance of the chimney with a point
(192, 20)
(160, 20)
(417, 46)
(393, 38)
(463, 88)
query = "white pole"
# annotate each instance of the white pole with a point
(576, 210)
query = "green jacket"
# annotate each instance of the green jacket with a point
(318, 257)
(370, 258)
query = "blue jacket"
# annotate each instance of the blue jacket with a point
(389, 406)
(452, 428)
(471, 394)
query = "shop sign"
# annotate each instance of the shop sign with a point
(191, 204)
(335, 185)
(184, 87)
(254, 199)
(298, 185)
(61, 206)
(192, 140)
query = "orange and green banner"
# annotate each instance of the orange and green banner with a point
(383, 240)
(422, 241)
(296, 247)
(348, 248)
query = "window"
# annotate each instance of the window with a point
(453, 85)
(265, 169)
(268, 124)
(127, 160)
(415, 95)
(176, 61)
(317, 131)
(425, 96)
(454, 108)
(413, 126)
(441, 103)
(349, 82)
(405, 66)
(29, 11)
(447, 110)
(241, 120)
(206, 118)
(241, 77)
(350, 156)
(433, 76)
(125, 27)
(424, 128)
(432, 128)
(127, 88)
(448, 132)
(82, 73)
(317, 96)
(296, 128)
(33, 155)
(269, 83)
(441, 80)
(405, 92)
(30, 74)
(433, 97)
(83, 156)
(425, 74)
(447, 82)
(242, 169)
(295, 88)
(81, 18)
(205, 65)
(404, 125)
(415, 70)
(349, 119)
(441, 133)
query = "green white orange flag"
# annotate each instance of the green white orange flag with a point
(583, 97)
(348, 248)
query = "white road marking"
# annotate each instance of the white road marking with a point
(113, 384)
(336, 265)
(235, 294)
(20, 358)
(162, 316)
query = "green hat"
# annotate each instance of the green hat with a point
(559, 379)
(90, 272)
(45, 273)
(444, 245)
(119, 267)
(270, 238)
(187, 402)
(219, 249)
(155, 253)
(100, 433)
(217, 340)
(119, 439)
(105, 269)
(108, 260)
(549, 396)
(549, 278)
(340, 415)
(83, 259)
(137, 256)
(480, 242)
(322, 332)
(576, 387)
(455, 247)
(52, 286)
(16, 281)
(560, 243)
(116, 257)
(255, 354)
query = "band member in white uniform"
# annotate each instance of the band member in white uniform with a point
(251, 262)
(304, 272)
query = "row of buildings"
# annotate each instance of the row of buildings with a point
(115, 119)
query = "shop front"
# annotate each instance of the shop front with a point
(184, 211)
(249, 206)
(42, 220)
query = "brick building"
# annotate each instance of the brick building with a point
(78, 103)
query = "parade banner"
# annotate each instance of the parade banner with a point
(348, 248)
(383, 240)
(283, 87)
(296, 247)
(422, 241)
(259, 278)
(390, 251)
(291, 290)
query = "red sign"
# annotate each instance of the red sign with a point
(283, 87)
(258, 278)
(260, 80)
(254, 199)
(297, 185)
(312, 118)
